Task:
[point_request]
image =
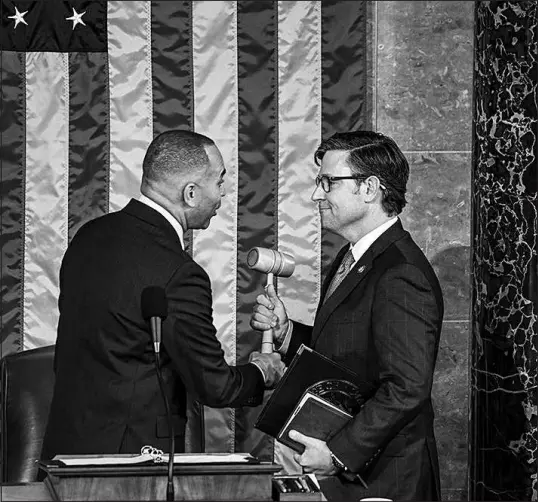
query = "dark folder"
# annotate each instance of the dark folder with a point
(314, 417)
(314, 373)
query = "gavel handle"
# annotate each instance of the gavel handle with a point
(267, 342)
(267, 337)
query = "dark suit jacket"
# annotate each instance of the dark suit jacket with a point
(384, 323)
(106, 396)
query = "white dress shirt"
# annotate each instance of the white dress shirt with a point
(177, 226)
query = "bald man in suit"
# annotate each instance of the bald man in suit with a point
(106, 395)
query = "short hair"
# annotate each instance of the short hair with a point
(373, 154)
(174, 152)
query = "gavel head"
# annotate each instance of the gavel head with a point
(270, 261)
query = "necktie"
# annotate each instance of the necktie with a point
(341, 273)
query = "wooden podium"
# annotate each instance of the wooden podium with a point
(251, 481)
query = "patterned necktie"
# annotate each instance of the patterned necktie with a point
(343, 269)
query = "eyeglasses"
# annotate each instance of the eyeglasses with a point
(327, 181)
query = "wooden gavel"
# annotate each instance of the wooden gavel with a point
(272, 263)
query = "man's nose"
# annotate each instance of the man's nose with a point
(318, 193)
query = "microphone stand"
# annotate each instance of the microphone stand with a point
(156, 329)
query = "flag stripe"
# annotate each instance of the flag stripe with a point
(258, 172)
(344, 89)
(299, 232)
(171, 33)
(12, 177)
(299, 75)
(130, 84)
(257, 187)
(215, 114)
(171, 54)
(46, 219)
(88, 138)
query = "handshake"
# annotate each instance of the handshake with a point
(270, 314)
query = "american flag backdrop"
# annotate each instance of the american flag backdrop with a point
(86, 85)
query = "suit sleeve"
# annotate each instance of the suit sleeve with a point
(301, 334)
(405, 332)
(189, 338)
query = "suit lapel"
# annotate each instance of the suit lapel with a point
(351, 281)
(355, 276)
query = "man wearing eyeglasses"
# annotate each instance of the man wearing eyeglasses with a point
(380, 315)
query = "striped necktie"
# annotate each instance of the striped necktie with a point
(343, 269)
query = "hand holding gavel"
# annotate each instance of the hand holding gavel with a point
(272, 263)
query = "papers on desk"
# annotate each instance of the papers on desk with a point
(211, 458)
(71, 460)
(179, 458)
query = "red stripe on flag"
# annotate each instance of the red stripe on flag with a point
(344, 84)
(88, 138)
(171, 55)
(257, 185)
(12, 153)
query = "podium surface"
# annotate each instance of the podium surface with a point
(248, 481)
(15, 492)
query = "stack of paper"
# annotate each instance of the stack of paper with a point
(179, 458)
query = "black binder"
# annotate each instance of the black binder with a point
(313, 372)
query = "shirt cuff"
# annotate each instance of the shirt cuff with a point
(284, 345)
(346, 473)
(337, 462)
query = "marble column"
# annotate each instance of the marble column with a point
(504, 355)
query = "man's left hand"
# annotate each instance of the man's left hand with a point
(316, 457)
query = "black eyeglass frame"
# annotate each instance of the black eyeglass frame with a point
(332, 179)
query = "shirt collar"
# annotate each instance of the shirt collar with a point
(175, 224)
(362, 245)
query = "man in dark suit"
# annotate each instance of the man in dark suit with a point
(106, 395)
(380, 315)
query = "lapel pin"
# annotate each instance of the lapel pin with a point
(361, 269)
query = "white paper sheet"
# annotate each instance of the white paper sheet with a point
(179, 458)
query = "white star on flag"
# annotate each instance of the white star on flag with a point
(19, 17)
(76, 18)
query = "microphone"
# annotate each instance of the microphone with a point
(155, 309)
(272, 263)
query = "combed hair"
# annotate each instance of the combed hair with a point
(373, 154)
(174, 152)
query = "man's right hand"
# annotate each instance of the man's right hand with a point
(269, 313)
(271, 366)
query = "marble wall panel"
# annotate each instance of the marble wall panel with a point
(371, 64)
(424, 73)
(449, 394)
(437, 216)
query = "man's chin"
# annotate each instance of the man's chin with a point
(208, 221)
(203, 225)
(325, 218)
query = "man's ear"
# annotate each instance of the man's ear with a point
(190, 194)
(372, 187)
